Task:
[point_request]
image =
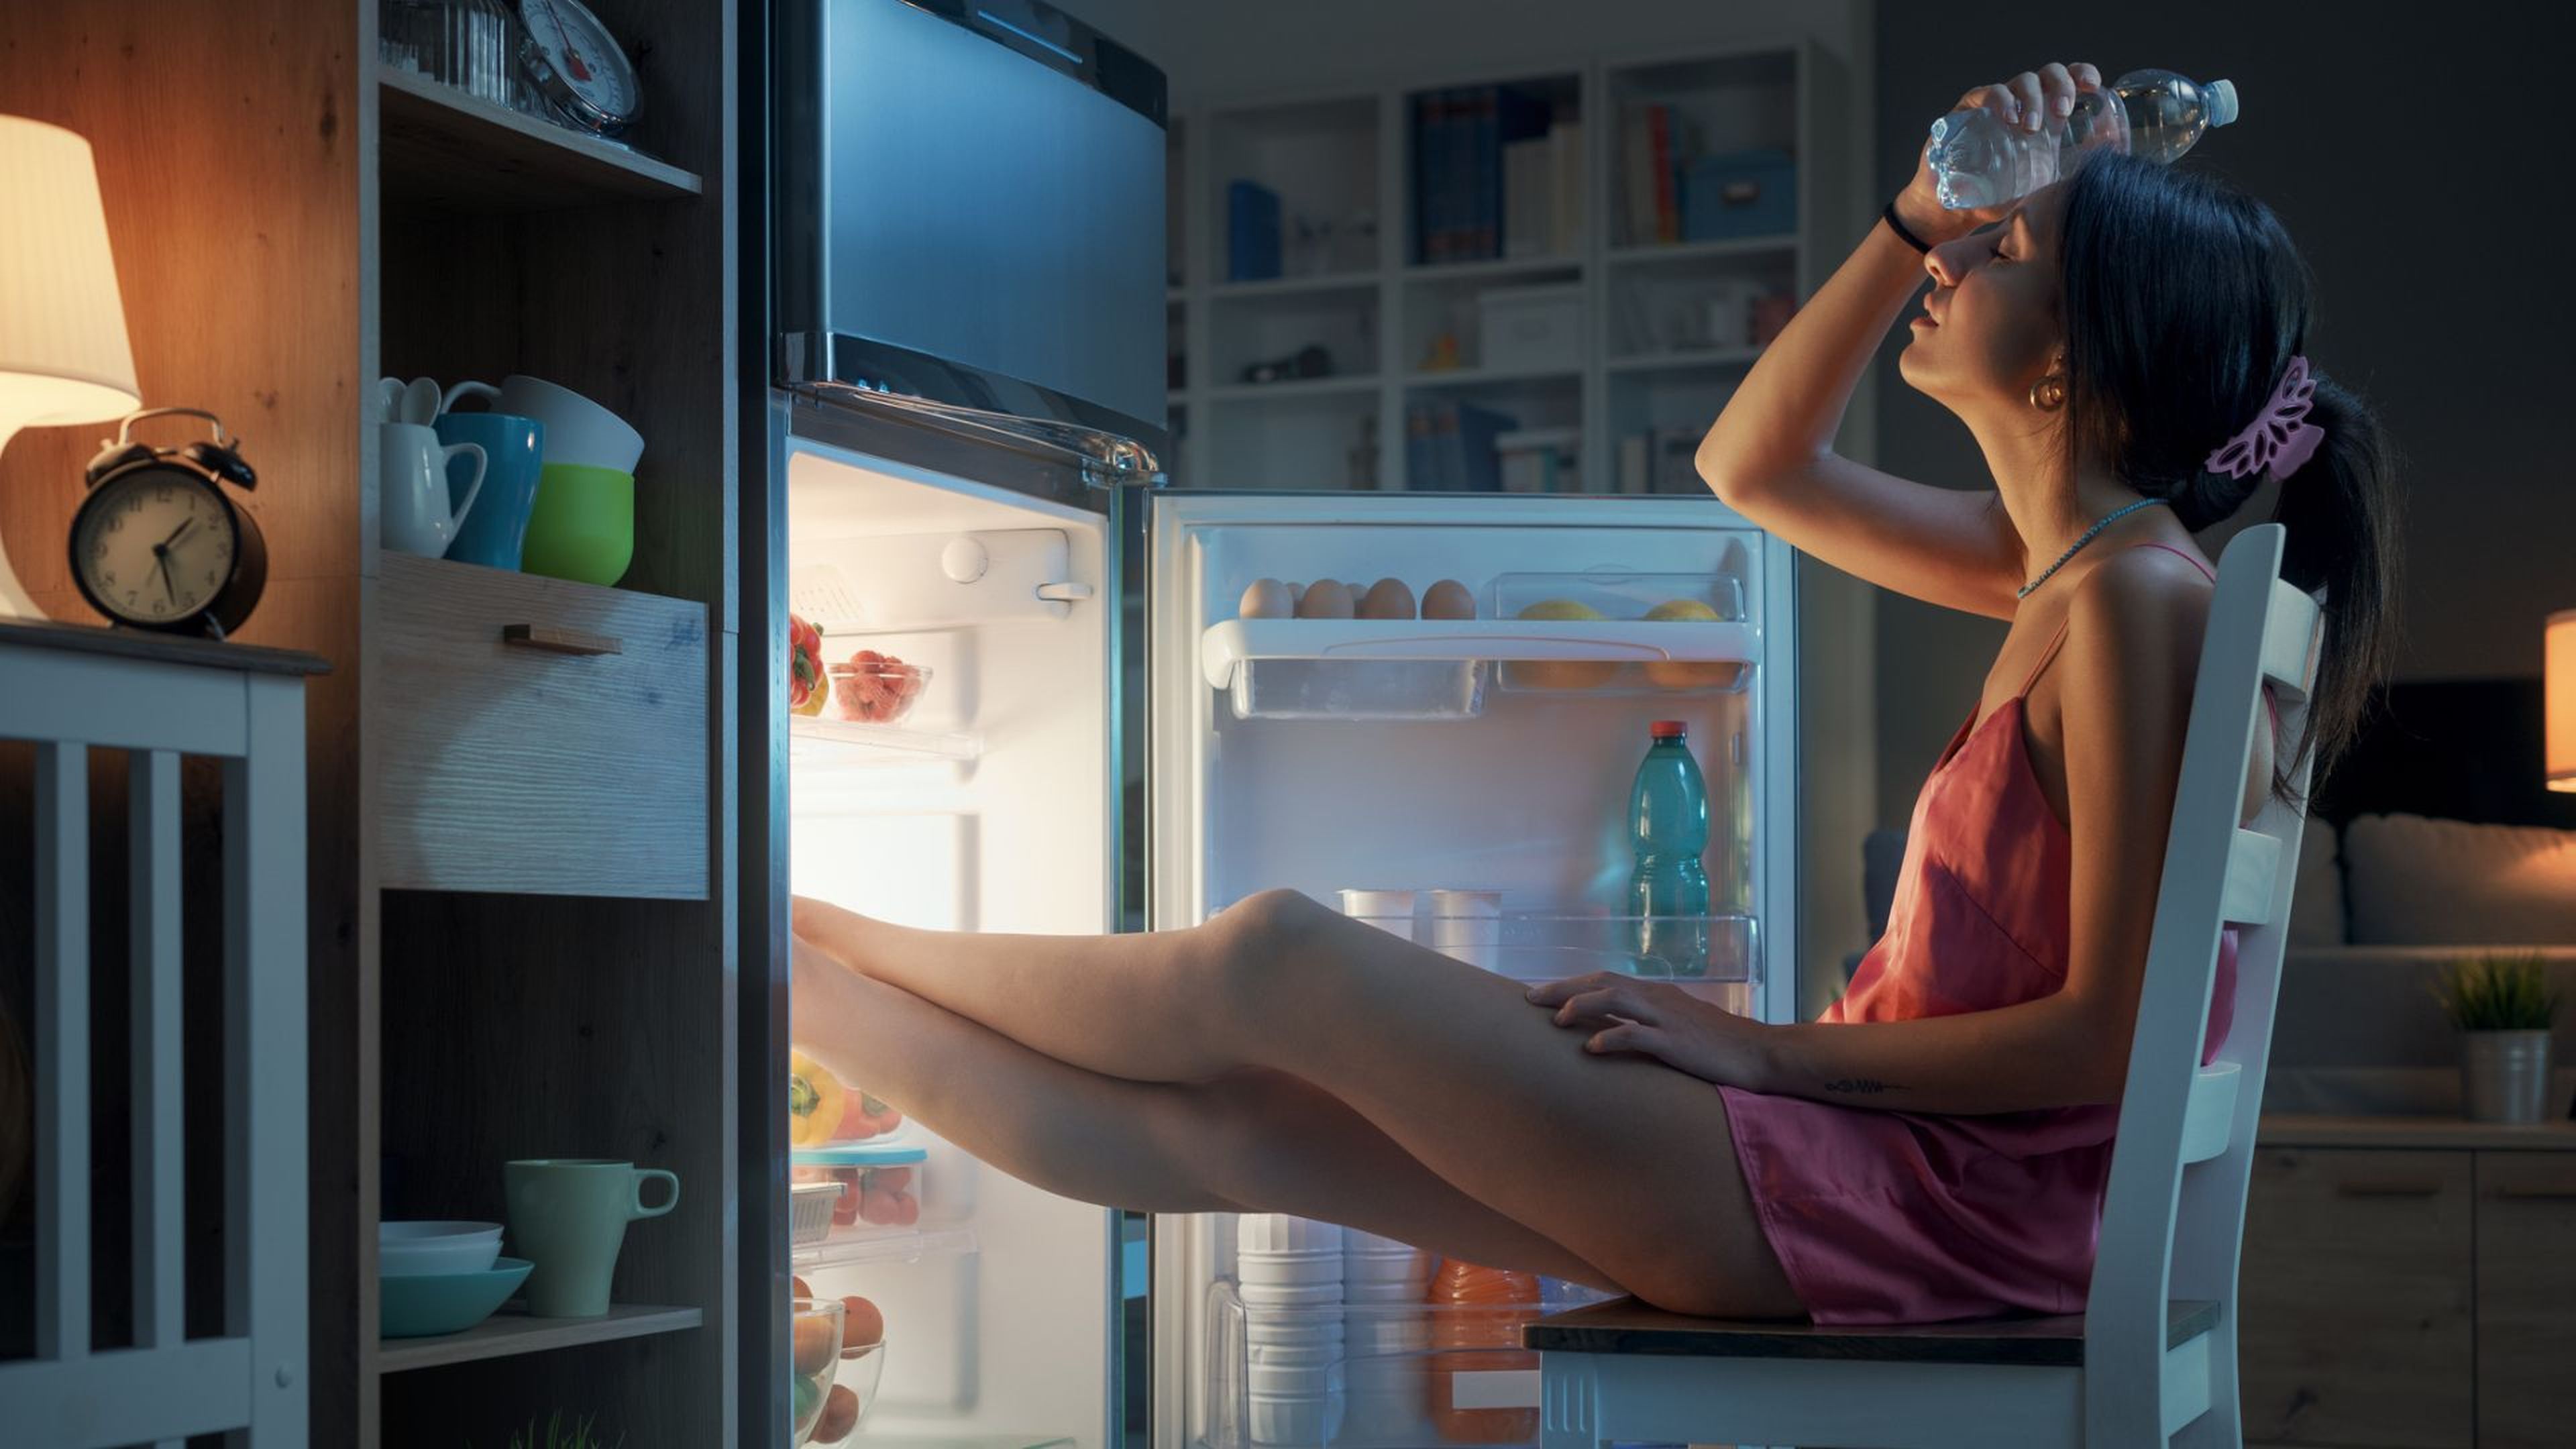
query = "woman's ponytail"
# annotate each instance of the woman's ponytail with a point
(2341, 513)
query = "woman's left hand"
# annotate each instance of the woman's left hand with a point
(1657, 1019)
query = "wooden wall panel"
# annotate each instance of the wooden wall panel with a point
(228, 148)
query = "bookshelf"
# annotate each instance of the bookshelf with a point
(1663, 310)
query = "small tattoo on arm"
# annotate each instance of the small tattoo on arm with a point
(1862, 1086)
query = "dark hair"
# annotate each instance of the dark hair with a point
(2184, 302)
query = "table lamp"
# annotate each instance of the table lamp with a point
(63, 353)
(2558, 670)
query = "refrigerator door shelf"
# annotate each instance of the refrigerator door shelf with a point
(825, 745)
(905, 1247)
(1228, 646)
(1358, 689)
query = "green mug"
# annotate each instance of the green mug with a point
(568, 1216)
(582, 524)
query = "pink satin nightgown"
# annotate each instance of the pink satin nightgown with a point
(1910, 1217)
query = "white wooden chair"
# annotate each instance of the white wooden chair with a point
(68, 689)
(2153, 1358)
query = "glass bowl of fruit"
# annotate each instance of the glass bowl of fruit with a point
(847, 1392)
(816, 1339)
(873, 688)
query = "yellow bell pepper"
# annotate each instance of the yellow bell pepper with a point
(815, 1101)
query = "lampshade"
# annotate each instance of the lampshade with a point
(2558, 669)
(63, 353)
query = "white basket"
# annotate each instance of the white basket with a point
(809, 1211)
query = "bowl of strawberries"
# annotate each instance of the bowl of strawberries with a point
(874, 688)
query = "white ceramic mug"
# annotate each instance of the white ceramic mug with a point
(412, 510)
(577, 429)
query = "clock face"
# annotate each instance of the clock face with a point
(154, 546)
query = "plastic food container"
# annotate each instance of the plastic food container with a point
(1389, 911)
(1621, 596)
(874, 691)
(883, 1185)
(809, 1210)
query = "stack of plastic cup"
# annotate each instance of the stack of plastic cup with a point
(1389, 911)
(1289, 1271)
(1386, 1332)
(1469, 926)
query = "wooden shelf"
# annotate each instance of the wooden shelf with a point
(1293, 286)
(511, 1331)
(1490, 271)
(1475, 376)
(451, 150)
(1684, 361)
(2289, 1129)
(1300, 387)
(1660, 252)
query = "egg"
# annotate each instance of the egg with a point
(1267, 599)
(1325, 599)
(1387, 599)
(1448, 599)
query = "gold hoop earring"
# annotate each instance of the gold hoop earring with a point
(2049, 393)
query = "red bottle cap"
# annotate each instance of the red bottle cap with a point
(1669, 729)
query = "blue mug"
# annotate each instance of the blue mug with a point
(514, 448)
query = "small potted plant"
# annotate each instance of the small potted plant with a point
(2503, 1008)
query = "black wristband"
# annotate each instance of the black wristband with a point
(1904, 234)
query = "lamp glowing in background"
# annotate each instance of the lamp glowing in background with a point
(2558, 670)
(63, 353)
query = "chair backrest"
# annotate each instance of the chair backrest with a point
(2174, 1215)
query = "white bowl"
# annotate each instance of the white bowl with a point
(1313, 1270)
(1271, 1234)
(414, 1248)
(1258, 1296)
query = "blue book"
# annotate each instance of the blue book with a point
(1478, 463)
(1417, 449)
(1516, 116)
(1485, 230)
(1252, 235)
(1462, 176)
(1420, 199)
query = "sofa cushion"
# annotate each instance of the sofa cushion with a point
(2409, 881)
(2316, 902)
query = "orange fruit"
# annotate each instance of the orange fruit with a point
(861, 1324)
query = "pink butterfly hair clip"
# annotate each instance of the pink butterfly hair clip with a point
(2280, 440)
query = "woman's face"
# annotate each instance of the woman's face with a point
(1990, 326)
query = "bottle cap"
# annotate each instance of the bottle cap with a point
(1669, 729)
(2220, 97)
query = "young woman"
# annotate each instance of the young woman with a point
(2127, 348)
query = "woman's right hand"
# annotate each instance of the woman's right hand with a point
(2029, 101)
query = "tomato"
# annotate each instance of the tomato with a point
(807, 685)
(840, 1415)
(814, 1346)
(862, 1325)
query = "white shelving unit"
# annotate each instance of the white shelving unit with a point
(1346, 159)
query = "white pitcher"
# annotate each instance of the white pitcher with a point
(412, 511)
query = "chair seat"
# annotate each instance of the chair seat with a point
(1626, 1326)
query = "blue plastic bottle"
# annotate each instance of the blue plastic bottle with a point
(1668, 821)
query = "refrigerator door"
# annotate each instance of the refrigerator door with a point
(992, 804)
(1492, 755)
(970, 213)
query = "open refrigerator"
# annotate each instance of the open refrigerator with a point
(1101, 742)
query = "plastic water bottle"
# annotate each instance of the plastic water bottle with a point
(1668, 818)
(1982, 160)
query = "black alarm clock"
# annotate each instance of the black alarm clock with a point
(158, 543)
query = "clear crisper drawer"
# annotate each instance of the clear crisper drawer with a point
(1358, 689)
(1371, 1375)
(1620, 596)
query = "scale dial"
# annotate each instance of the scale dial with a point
(578, 66)
(156, 547)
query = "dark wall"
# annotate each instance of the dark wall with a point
(2417, 154)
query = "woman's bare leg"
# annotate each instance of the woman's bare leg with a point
(1627, 1163)
(1251, 1142)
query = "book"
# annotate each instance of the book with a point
(1419, 202)
(1633, 451)
(1461, 175)
(1668, 209)
(1518, 117)
(1470, 435)
(1484, 174)
(1529, 198)
(1637, 173)
(1252, 232)
(1417, 448)
(1566, 178)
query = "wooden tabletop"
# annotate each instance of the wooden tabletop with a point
(164, 648)
(1626, 1326)
(2293, 1129)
